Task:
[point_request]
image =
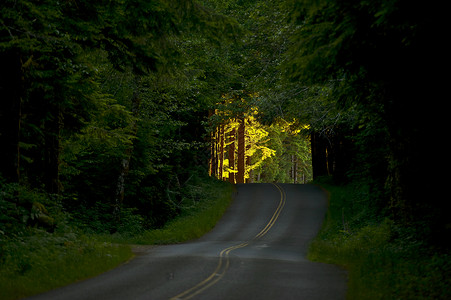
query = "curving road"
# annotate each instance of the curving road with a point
(256, 251)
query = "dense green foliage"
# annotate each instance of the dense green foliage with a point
(38, 261)
(101, 123)
(384, 260)
(105, 105)
(360, 74)
(34, 260)
(292, 162)
(204, 205)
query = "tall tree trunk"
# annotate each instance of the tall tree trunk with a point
(241, 152)
(11, 87)
(294, 168)
(52, 152)
(212, 152)
(217, 151)
(120, 185)
(248, 162)
(212, 166)
(19, 126)
(221, 152)
(125, 163)
(232, 156)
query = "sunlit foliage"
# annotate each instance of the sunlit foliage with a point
(277, 152)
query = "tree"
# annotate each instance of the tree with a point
(292, 159)
(90, 86)
(245, 149)
(377, 58)
(49, 93)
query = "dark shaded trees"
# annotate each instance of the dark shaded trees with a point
(378, 62)
(109, 99)
(96, 98)
(48, 92)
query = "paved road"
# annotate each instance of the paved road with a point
(256, 251)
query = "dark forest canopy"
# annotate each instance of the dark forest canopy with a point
(106, 104)
(379, 63)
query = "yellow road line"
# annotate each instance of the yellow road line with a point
(216, 275)
(221, 268)
(276, 213)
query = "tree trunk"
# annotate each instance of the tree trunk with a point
(232, 156)
(217, 152)
(241, 152)
(11, 86)
(249, 179)
(52, 153)
(125, 163)
(212, 154)
(221, 153)
(294, 168)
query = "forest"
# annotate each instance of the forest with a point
(114, 113)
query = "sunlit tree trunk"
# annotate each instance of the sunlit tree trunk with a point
(248, 163)
(241, 152)
(218, 152)
(221, 153)
(232, 155)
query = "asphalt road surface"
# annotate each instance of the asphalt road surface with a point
(256, 251)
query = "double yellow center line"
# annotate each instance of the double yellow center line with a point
(224, 261)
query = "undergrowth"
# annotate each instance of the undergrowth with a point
(384, 260)
(196, 217)
(36, 258)
(36, 261)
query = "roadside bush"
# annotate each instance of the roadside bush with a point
(37, 261)
(384, 260)
(34, 259)
(21, 207)
(200, 210)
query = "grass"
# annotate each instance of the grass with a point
(37, 261)
(40, 261)
(193, 222)
(384, 261)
